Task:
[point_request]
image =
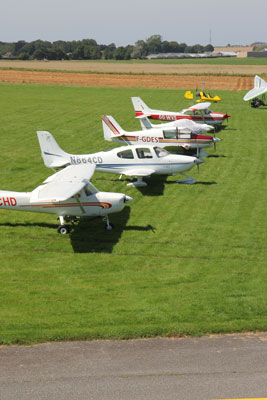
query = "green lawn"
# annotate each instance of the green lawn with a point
(182, 259)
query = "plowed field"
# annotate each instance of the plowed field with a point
(130, 75)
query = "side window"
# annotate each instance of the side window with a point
(125, 154)
(185, 135)
(144, 152)
(170, 134)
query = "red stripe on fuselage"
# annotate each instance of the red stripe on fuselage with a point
(57, 205)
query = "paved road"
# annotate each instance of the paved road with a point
(218, 367)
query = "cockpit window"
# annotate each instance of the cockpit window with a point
(125, 154)
(161, 152)
(144, 152)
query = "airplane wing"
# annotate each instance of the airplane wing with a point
(139, 172)
(260, 87)
(198, 107)
(63, 184)
(193, 126)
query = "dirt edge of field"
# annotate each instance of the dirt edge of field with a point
(232, 83)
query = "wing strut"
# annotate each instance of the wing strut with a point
(78, 201)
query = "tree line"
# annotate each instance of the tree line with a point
(89, 49)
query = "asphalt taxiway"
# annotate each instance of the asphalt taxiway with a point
(216, 367)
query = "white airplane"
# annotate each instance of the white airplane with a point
(160, 136)
(259, 89)
(183, 125)
(68, 194)
(198, 113)
(134, 161)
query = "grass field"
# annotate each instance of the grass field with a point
(182, 259)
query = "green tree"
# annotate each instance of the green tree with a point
(154, 44)
(119, 53)
(140, 49)
(108, 52)
(40, 53)
(24, 56)
(209, 47)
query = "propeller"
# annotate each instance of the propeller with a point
(215, 139)
(127, 199)
(197, 162)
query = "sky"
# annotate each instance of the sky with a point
(123, 22)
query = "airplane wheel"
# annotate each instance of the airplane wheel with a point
(109, 227)
(63, 229)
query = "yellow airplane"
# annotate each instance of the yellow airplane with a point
(202, 96)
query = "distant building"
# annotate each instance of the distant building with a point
(257, 53)
(212, 54)
(7, 55)
(241, 51)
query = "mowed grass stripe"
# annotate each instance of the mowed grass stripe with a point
(181, 260)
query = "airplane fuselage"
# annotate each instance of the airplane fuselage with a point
(167, 139)
(210, 118)
(96, 204)
(123, 159)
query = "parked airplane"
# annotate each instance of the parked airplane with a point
(259, 89)
(160, 136)
(183, 125)
(68, 194)
(134, 161)
(198, 113)
(202, 96)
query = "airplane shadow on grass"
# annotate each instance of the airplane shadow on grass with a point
(90, 236)
(29, 224)
(217, 156)
(155, 184)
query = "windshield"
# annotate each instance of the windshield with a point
(90, 189)
(161, 152)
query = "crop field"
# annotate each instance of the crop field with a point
(181, 260)
(218, 66)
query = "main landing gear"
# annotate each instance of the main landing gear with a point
(65, 229)
(108, 225)
(62, 228)
(138, 183)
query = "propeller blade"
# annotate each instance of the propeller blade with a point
(197, 162)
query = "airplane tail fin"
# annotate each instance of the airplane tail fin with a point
(111, 128)
(145, 123)
(140, 107)
(53, 155)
